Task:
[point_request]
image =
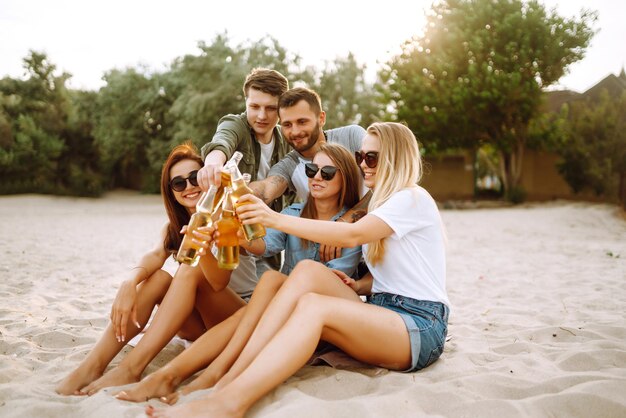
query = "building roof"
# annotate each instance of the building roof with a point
(615, 85)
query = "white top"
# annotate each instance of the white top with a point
(414, 264)
(266, 157)
(300, 180)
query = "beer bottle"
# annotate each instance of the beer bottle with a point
(234, 161)
(188, 251)
(228, 243)
(240, 188)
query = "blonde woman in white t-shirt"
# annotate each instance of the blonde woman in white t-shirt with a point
(403, 242)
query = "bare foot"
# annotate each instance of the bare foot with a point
(206, 380)
(172, 398)
(76, 380)
(212, 406)
(117, 376)
(156, 385)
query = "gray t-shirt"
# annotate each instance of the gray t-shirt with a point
(350, 137)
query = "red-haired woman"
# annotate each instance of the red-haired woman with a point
(194, 300)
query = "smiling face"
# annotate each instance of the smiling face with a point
(262, 113)
(370, 143)
(325, 189)
(301, 127)
(190, 196)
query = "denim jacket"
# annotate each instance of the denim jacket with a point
(276, 241)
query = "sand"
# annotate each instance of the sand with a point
(537, 328)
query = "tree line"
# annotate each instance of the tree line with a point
(473, 78)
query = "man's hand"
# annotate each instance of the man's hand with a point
(355, 213)
(328, 252)
(211, 173)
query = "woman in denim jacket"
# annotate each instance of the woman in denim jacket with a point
(295, 251)
(402, 326)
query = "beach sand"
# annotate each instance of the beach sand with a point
(537, 328)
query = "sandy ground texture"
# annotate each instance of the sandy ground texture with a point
(537, 326)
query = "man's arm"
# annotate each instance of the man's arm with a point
(212, 171)
(270, 188)
(357, 211)
(231, 130)
(277, 180)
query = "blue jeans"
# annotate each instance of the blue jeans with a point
(426, 323)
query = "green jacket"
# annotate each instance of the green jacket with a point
(235, 134)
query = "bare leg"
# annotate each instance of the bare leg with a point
(353, 326)
(149, 293)
(307, 277)
(165, 380)
(177, 305)
(267, 288)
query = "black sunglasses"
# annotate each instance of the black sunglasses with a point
(179, 183)
(328, 171)
(371, 158)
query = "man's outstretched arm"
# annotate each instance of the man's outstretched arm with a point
(270, 188)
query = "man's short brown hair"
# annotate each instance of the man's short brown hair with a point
(292, 97)
(268, 81)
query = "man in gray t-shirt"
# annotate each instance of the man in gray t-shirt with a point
(301, 121)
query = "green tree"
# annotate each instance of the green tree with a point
(124, 126)
(477, 73)
(212, 82)
(33, 118)
(594, 146)
(79, 164)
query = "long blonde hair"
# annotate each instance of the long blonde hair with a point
(399, 167)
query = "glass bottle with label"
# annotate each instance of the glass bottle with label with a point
(228, 225)
(240, 188)
(225, 173)
(188, 251)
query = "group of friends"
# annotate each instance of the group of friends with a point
(363, 262)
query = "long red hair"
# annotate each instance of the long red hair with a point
(176, 213)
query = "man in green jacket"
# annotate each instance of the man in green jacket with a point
(254, 132)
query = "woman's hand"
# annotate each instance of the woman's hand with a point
(347, 280)
(203, 237)
(124, 309)
(252, 210)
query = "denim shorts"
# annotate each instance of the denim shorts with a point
(426, 322)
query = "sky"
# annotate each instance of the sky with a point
(89, 37)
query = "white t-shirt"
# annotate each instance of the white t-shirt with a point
(300, 180)
(414, 264)
(266, 157)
